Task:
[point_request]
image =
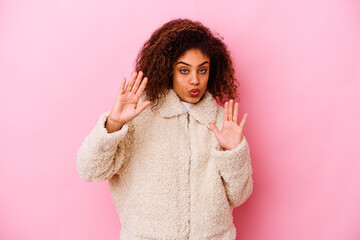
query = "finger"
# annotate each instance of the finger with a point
(225, 111)
(141, 88)
(137, 82)
(236, 113)
(122, 86)
(131, 82)
(243, 121)
(214, 128)
(230, 110)
(141, 108)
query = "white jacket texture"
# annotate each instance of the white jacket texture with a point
(168, 176)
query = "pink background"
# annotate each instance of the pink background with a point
(298, 63)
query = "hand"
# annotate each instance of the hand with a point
(125, 107)
(231, 133)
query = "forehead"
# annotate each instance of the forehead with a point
(193, 56)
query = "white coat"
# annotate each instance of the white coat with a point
(168, 177)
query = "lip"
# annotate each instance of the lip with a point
(194, 92)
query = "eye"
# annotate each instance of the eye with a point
(203, 71)
(183, 71)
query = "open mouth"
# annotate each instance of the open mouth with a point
(194, 92)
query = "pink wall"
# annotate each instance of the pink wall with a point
(299, 68)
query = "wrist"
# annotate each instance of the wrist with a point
(112, 125)
(114, 122)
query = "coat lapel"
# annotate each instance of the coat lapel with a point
(170, 105)
(204, 111)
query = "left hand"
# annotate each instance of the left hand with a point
(231, 133)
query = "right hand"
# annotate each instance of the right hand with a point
(125, 107)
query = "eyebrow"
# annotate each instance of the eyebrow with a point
(190, 65)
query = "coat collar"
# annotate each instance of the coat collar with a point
(204, 111)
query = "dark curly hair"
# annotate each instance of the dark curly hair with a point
(158, 55)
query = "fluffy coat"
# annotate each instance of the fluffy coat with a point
(168, 176)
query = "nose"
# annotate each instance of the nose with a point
(194, 79)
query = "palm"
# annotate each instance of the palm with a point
(231, 133)
(125, 107)
(127, 103)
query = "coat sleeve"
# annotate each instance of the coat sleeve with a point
(101, 154)
(236, 171)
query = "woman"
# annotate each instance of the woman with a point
(172, 173)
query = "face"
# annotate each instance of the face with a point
(191, 75)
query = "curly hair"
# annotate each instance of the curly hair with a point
(158, 55)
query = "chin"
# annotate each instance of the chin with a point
(194, 100)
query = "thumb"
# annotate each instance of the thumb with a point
(214, 128)
(141, 108)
